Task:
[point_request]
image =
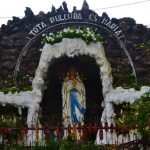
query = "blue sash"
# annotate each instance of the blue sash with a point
(74, 102)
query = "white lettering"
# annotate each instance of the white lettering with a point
(43, 25)
(113, 26)
(32, 32)
(95, 17)
(118, 32)
(79, 16)
(116, 28)
(75, 16)
(66, 16)
(60, 18)
(56, 18)
(104, 21)
(39, 26)
(69, 16)
(35, 30)
(92, 17)
(108, 23)
(51, 19)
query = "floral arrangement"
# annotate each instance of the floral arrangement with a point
(136, 116)
(86, 34)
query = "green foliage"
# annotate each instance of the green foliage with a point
(76, 145)
(145, 46)
(119, 108)
(21, 83)
(8, 122)
(15, 89)
(127, 82)
(61, 146)
(11, 122)
(10, 117)
(86, 34)
(136, 115)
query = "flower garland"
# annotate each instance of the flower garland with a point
(87, 34)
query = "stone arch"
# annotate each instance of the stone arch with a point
(71, 48)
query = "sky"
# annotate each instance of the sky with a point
(140, 11)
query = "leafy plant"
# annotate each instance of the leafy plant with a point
(136, 115)
(86, 34)
(145, 46)
(127, 81)
(22, 83)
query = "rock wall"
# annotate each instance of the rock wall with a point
(12, 41)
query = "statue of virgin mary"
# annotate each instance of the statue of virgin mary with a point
(73, 95)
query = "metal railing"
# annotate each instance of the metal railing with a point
(104, 133)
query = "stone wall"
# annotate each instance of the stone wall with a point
(13, 39)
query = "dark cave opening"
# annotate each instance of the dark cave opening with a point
(51, 104)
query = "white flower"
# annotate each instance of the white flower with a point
(92, 35)
(85, 33)
(88, 32)
(52, 39)
(71, 31)
(94, 39)
(88, 29)
(88, 35)
(81, 31)
(60, 35)
(51, 33)
(65, 30)
(77, 31)
(68, 29)
(136, 114)
(47, 37)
